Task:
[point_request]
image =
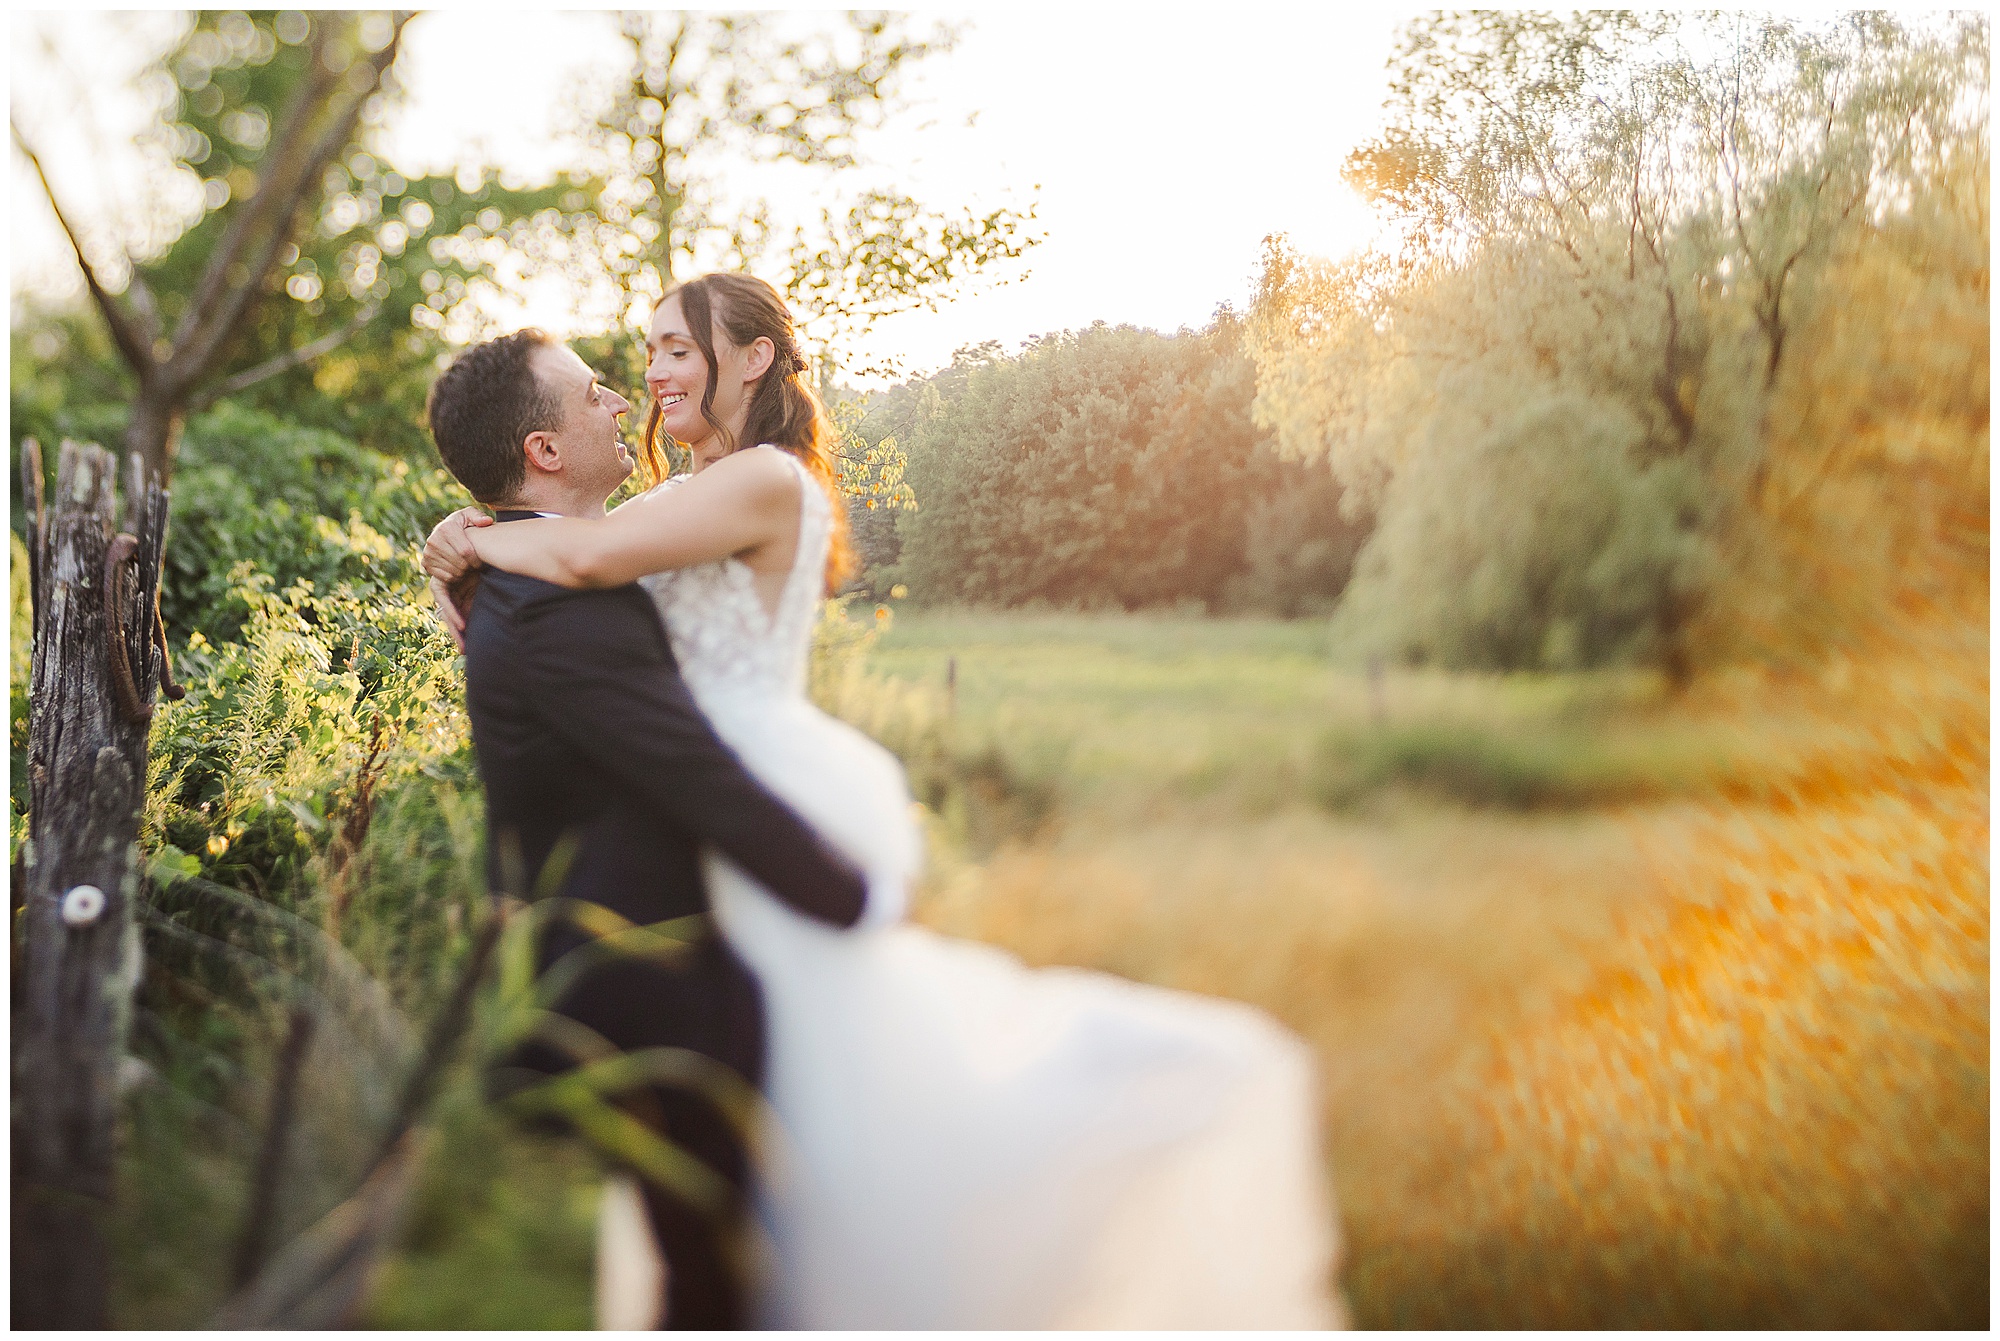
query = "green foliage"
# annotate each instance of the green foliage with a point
(259, 494)
(308, 645)
(502, 1233)
(344, 307)
(1545, 543)
(311, 840)
(380, 262)
(313, 834)
(1298, 547)
(871, 468)
(251, 770)
(1108, 467)
(839, 651)
(181, 1166)
(64, 381)
(222, 94)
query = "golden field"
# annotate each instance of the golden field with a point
(1696, 1038)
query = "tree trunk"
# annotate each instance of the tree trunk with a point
(96, 667)
(154, 431)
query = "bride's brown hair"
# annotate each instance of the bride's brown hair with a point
(783, 409)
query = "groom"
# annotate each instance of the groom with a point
(601, 774)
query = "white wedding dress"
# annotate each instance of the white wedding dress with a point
(953, 1140)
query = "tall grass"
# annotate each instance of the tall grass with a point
(1632, 1008)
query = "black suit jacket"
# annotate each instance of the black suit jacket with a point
(584, 729)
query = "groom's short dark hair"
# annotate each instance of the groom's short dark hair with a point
(484, 405)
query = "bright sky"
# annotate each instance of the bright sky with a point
(1160, 147)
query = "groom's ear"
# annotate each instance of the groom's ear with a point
(541, 451)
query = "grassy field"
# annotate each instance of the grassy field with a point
(1632, 1009)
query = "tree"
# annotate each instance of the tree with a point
(300, 97)
(308, 267)
(1614, 224)
(1692, 159)
(705, 90)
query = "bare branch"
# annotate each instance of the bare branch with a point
(284, 362)
(132, 340)
(1542, 171)
(194, 360)
(304, 109)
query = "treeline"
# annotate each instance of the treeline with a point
(1677, 355)
(1682, 355)
(1104, 468)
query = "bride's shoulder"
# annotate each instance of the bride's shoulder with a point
(765, 456)
(767, 470)
(664, 486)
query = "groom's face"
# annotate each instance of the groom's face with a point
(594, 457)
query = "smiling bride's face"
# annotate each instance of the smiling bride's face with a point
(677, 374)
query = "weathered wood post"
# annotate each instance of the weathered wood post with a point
(99, 654)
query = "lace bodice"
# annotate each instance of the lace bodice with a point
(729, 647)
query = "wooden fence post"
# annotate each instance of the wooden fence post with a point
(98, 657)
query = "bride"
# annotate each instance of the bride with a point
(951, 1140)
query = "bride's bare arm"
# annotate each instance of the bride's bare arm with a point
(737, 504)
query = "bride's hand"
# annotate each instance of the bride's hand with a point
(451, 609)
(452, 563)
(449, 551)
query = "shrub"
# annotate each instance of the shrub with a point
(294, 504)
(1543, 544)
(253, 773)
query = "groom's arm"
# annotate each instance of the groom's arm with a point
(598, 664)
